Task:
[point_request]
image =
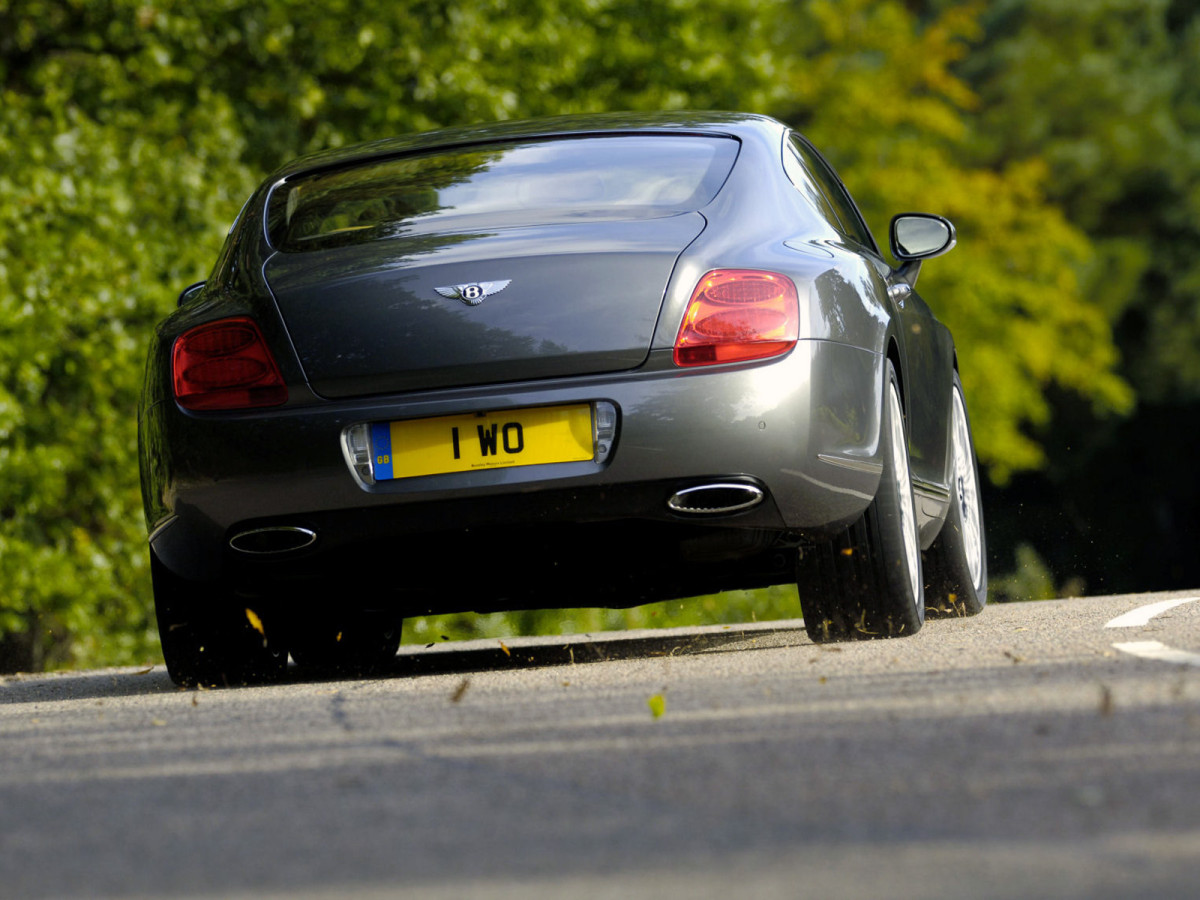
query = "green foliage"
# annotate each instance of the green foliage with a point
(132, 130)
(1107, 93)
(884, 101)
(110, 195)
(728, 608)
(303, 76)
(1030, 579)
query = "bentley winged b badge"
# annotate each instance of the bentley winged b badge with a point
(473, 294)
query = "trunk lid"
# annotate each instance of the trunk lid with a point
(582, 297)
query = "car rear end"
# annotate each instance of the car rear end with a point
(501, 374)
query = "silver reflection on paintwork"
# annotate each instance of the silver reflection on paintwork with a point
(474, 293)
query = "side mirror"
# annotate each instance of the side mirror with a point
(916, 236)
(189, 292)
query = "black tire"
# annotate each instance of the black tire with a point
(358, 643)
(956, 578)
(208, 638)
(866, 583)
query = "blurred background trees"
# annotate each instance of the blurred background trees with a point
(1062, 138)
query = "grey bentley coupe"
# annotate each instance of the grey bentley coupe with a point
(589, 361)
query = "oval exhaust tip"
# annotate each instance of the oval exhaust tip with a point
(275, 539)
(715, 499)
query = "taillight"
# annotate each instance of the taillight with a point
(736, 315)
(225, 365)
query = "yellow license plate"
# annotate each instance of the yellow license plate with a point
(467, 443)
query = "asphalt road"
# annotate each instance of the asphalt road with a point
(1030, 752)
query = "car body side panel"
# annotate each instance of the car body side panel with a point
(760, 220)
(929, 364)
(926, 360)
(923, 345)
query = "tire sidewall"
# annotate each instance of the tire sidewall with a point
(900, 568)
(207, 639)
(951, 549)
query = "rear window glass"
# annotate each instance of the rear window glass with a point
(497, 185)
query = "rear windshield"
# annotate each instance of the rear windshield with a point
(498, 185)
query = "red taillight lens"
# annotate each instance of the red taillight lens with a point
(737, 315)
(225, 365)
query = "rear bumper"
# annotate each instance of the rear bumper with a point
(803, 428)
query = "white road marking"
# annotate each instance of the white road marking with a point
(1141, 617)
(1143, 614)
(1160, 652)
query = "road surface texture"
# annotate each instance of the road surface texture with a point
(1040, 750)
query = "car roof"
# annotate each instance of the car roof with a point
(687, 122)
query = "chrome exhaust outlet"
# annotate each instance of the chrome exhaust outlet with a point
(715, 499)
(275, 539)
